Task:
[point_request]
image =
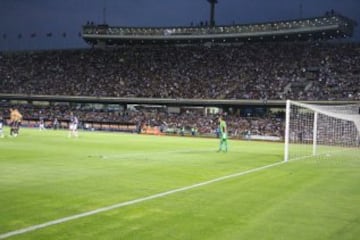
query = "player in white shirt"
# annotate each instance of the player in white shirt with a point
(73, 125)
(41, 124)
(1, 127)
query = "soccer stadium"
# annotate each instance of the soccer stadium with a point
(200, 131)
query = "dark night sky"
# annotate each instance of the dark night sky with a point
(66, 16)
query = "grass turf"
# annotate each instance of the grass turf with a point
(45, 176)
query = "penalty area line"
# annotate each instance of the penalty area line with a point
(131, 202)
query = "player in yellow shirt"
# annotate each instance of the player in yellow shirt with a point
(15, 120)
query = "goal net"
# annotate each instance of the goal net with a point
(321, 130)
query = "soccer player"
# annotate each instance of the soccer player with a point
(55, 124)
(223, 146)
(73, 125)
(15, 120)
(41, 124)
(1, 127)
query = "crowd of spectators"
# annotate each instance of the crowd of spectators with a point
(266, 70)
(269, 125)
(260, 71)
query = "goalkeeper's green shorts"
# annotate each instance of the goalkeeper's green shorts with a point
(224, 136)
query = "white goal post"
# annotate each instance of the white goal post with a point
(312, 129)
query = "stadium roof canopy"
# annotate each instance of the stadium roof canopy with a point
(329, 26)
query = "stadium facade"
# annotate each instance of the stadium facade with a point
(329, 26)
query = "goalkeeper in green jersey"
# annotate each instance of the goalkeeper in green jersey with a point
(223, 146)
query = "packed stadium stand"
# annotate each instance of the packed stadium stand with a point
(267, 70)
(193, 122)
(238, 62)
(329, 26)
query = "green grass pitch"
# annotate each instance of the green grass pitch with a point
(45, 176)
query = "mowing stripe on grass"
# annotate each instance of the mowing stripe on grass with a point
(123, 204)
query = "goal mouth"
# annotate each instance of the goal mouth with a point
(313, 130)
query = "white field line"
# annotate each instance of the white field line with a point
(131, 202)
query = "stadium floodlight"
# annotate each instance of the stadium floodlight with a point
(316, 130)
